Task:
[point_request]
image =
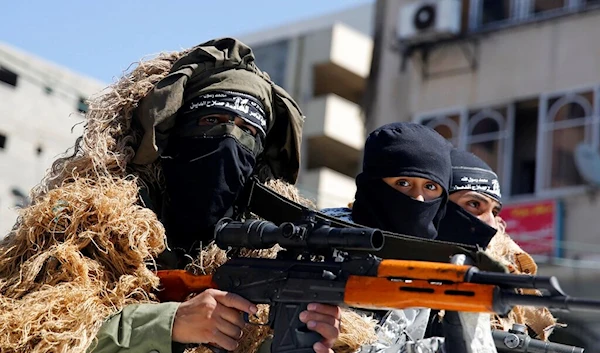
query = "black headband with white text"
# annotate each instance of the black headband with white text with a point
(476, 179)
(243, 105)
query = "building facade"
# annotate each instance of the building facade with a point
(40, 118)
(516, 82)
(324, 64)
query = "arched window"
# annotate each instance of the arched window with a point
(568, 122)
(446, 125)
(487, 136)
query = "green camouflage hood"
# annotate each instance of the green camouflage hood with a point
(227, 65)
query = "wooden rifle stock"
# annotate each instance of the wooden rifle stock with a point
(398, 284)
(179, 284)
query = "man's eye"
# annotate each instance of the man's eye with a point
(248, 130)
(473, 204)
(403, 183)
(431, 187)
(209, 120)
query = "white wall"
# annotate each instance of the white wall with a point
(31, 118)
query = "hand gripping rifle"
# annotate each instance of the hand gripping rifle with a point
(361, 280)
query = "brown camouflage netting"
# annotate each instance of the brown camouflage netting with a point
(540, 320)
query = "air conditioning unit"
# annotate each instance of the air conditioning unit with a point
(429, 20)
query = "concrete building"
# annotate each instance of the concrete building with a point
(39, 105)
(518, 83)
(324, 64)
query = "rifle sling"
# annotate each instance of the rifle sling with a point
(268, 204)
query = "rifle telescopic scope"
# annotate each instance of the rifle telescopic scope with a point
(258, 234)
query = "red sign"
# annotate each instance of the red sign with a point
(534, 226)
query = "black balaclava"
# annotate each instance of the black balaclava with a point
(206, 167)
(469, 172)
(402, 149)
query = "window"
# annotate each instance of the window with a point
(272, 58)
(484, 14)
(447, 126)
(542, 6)
(568, 120)
(487, 134)
(523, 164)
(82, 105)
(21, 198)
(490, 13)
(495, 11)
(8, 77)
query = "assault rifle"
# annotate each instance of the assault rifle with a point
(358, 280)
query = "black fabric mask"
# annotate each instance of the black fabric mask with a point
(203, 176)
(378, 205)
(459, 226)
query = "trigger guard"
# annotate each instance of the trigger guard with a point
(307, 337)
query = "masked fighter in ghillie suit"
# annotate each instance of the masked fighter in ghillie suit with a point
(472, 218)
(403, 187)
(169, 146)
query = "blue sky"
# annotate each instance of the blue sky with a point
(101, 38)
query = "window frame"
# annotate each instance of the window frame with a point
(543, 144)
(522, 12)
(504, 136)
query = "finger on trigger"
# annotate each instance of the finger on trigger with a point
(235, 301)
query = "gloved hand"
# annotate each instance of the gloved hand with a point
(467, 333)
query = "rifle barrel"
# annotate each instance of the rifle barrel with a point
(551, 302)
(507, 280)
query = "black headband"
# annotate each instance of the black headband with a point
(468, 178)
(242, 105)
